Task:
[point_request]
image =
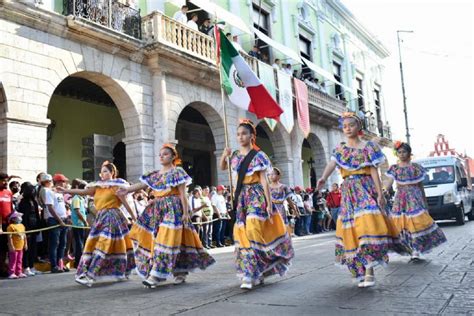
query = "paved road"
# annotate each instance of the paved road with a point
(443, 284)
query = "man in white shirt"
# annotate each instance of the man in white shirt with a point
(196, 206)
(277, 64)
(287, 69)
(55, 214)
(180, 16)
(192, 23)
(298, 201)
(220, 207)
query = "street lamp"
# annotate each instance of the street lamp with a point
(403, 86)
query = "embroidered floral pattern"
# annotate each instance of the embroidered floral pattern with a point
(272, 257)
(167, 180)
(411, 174)
(354, 158)
(260, 162)
(110, 225)
(358, 201)
(121, 183)
(164, 259)
(417, 229)
(279, 195)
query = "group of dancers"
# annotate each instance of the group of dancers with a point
(163, 243)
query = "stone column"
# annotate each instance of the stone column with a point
(286, 167)
(140, 158)
(25, 145)
(160, 110)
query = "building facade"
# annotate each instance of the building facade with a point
(85, 81)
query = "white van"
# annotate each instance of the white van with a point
(447, 188)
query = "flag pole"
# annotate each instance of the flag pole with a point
(226, 131)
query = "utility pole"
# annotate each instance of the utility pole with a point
(403, 87)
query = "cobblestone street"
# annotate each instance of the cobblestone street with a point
(442, 284)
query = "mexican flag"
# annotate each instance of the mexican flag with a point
(241, 84)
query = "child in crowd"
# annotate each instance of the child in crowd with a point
(16, 244)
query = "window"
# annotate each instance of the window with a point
(261, 21)
(305, 50)
(360, 95)
(378, 111)
(337, 75)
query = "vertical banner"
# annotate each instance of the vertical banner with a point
(267, 75)
(285, 95)
(302, 107)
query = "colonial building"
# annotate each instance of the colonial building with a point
(84, 81)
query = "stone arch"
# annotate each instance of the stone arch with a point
(198, 156)
(281, 144)
(319, 155)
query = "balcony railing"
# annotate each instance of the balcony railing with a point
(162, 29)
(113, 14)
(325, 101)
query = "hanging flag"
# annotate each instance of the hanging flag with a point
(241, 84)
(302, 107)
(266, 73)
(285, 96)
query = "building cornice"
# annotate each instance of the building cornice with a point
(349, 17)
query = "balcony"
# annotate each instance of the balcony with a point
(113, 14)
(159, 28)
(325, 102)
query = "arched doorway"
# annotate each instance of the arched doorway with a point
(86, 129)
(264, 142)
(313, 160)
(196, 146)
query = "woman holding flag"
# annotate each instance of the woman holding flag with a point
(263, 246)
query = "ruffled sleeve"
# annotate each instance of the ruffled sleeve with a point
(165, 181)
(354, 159)
(411, 174)
(120, 183)
(391, 172)
(374, 154)
(260, 162)
(416, 174)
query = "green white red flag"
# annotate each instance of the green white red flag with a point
(241, 84)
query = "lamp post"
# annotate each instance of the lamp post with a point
(403, 86)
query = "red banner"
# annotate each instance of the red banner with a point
(302, 107)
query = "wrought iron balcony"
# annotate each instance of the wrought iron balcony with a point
(113, 14)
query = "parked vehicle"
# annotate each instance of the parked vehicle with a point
(448, 188)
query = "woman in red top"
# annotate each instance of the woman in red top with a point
(334, 201)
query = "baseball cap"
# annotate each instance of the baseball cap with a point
(58, 177)
(297, 188)
(45, 177)
(220, 188)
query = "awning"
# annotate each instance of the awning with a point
(222, 14)
(280, 47)
(327, 75)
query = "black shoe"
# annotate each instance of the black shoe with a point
(220, 246)
(66, 269)
(56, 270)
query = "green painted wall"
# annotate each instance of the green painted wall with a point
(74, 120)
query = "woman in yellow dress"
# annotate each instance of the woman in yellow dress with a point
(364, 234)
(108, 252)
(165, 242)
(263, 246)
